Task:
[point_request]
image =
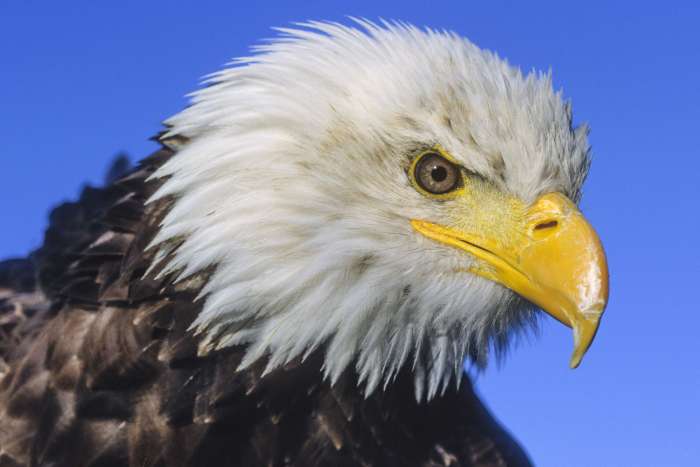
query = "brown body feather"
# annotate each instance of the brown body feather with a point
(98, 368)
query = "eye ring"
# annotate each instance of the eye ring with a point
(435, 174)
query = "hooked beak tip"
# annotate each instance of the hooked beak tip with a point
(585, 330)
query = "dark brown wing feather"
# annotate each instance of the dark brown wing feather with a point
(100, 370)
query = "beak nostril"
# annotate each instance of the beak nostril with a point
(546, 225)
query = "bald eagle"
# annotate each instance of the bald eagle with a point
(297, 276)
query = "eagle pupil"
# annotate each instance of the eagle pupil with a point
(438, 174)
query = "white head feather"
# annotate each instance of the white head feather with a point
(293, 187)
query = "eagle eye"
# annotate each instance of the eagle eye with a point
(433, 173)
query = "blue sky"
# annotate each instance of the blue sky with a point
(81, 82)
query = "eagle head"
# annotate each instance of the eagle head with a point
(390, 195)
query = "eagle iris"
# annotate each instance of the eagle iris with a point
(435, 174)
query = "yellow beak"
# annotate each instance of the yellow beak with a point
(557, 263)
